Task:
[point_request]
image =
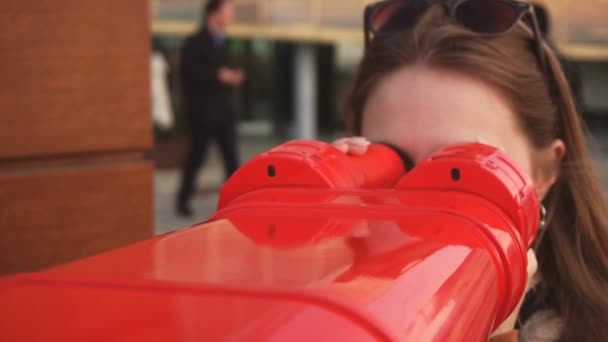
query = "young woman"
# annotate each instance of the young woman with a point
(437, 73)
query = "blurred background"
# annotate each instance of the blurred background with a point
(278, 40)
(84, 165)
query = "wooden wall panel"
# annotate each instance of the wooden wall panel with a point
(52, 216)
(74, 77)
(74, 125)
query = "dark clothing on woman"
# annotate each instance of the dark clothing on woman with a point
(208, 106)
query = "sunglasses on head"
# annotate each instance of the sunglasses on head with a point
(486, 17)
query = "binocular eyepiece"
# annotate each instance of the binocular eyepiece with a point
(473, 168)
(309, 244)
(456, 227)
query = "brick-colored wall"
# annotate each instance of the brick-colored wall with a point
(74, 123)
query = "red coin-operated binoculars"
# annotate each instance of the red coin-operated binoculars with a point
(309, 244)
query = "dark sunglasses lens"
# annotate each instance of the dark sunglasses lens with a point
(383, 14)
(487, 16)
(394, 16)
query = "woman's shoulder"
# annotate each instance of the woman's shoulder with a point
(544, 325)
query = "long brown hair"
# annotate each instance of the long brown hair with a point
(572, 255)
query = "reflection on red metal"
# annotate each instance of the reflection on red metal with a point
(314, 164)
(308, 244)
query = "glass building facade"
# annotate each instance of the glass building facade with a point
(266, 32)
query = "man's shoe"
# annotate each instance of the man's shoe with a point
(184, 210)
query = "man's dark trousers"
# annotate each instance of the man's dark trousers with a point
(224, 134)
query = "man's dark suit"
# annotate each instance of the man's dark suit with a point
(208, 106)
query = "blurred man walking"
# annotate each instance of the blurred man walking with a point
(208, 80)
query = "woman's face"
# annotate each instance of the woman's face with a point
(421, 110)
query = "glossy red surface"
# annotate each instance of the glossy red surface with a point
(421, 257)
(314, 164)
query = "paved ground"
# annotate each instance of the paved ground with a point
(211, 177)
